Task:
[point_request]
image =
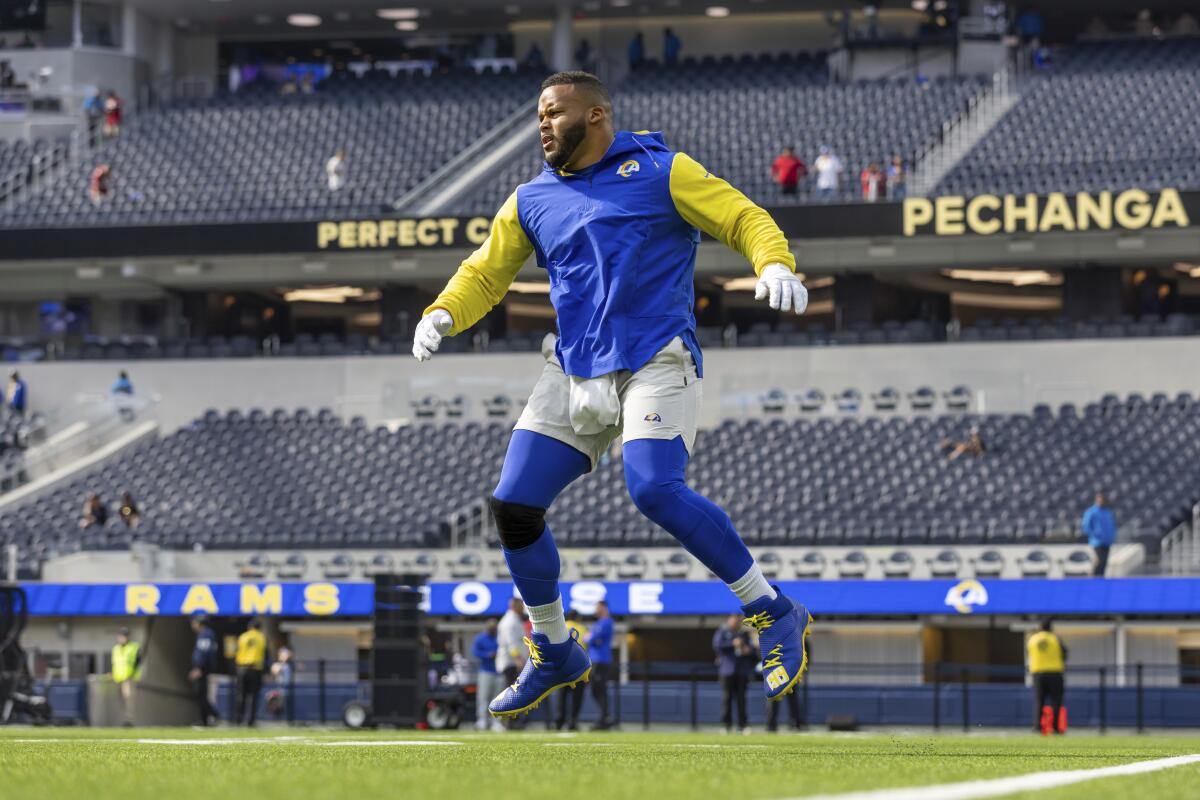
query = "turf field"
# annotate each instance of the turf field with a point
(296, 764)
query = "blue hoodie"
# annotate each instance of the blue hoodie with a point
(618, 242)
(1100, 525)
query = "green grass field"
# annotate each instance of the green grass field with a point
(296, 764)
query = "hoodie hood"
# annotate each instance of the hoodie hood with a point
(625, 144)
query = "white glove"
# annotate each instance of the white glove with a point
(594, 404)
(785, 290)
(430, 330)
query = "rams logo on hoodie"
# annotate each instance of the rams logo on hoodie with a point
(628, 168)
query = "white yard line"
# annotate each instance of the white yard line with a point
(387, 743)
(998, 787)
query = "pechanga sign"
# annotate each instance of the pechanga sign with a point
(987, 214)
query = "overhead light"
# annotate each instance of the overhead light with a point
(530, 287)
(1008, 302)
(744, 283)
(303, 20)
(89, 273)
(325, 294)
(407, 25)
(1192, 270)
(716, 11)
(398, 13)
(920, 5)
(1011, 277)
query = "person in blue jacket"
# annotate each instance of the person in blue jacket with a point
(16, 394)
(599, 650)
(487, 682)
(204, 663)
(1100, 525)
(614, 218)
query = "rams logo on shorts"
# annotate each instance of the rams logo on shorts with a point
(628, 168)
(652, 417)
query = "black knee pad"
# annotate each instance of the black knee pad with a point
(520, 525)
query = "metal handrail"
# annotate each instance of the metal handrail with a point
(454, 165)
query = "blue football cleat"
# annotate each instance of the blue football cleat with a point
(550, 667)
(783, 627)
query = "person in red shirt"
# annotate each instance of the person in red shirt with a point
(100, 184)
(787, 170)
(874, 183)
(112, 115)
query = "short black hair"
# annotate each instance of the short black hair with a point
(255, 624)
(1047, 625)
(585, 80)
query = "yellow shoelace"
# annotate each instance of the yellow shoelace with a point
(535, 655)
(760, 621)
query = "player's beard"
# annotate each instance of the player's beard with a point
(568, 143)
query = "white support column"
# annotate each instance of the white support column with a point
(129, 29)
(560, 52)
(77, 23)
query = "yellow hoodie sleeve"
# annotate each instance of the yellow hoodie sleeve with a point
(712, 205)
(484, 276)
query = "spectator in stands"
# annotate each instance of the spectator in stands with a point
(16, 395)
(125, 671)
(112, 114)
(93, 107)
(583, 55)
(637, 50)
(672, 44)
(599, 646)
(973, 446)
(787, 170)
(335, 170)
(204, 663)
(251, 658)
(873, 183)
(487, 682)
(732, 646)
(1100, 525)
(26, 42)
(573, 698)
(100, 184)
(130, 514)
(94, 512)
(534, 59)
(897, 176)
(122, 385)
(829, 173)
(122, 394)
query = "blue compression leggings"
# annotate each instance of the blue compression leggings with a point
(537, 468)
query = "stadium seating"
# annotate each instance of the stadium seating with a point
(256, 155)
(734, 117)
(18, 158)
(267, 481)
(1109, 115)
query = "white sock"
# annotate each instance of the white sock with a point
(549, 619)
(751, 586)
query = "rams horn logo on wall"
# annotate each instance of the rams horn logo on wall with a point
(652, 417)
(966, 596)
(628, 168)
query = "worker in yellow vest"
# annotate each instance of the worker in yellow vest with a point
(1047, 661)
(126, 669)
(251, 658)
